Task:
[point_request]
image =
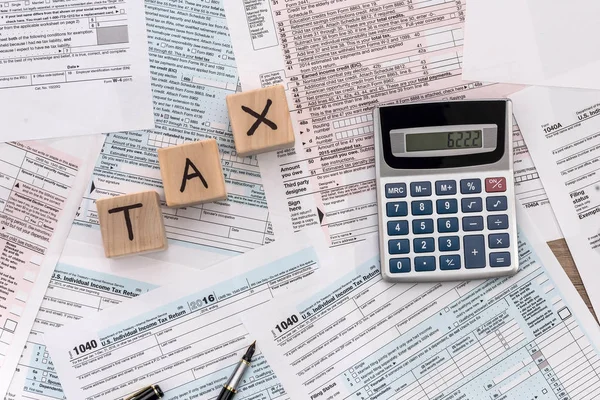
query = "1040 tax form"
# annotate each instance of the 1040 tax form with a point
(354, 336)
(187, 337)
(562, 130)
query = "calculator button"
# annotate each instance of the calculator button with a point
(425, 245)
(423, 264)
(471, 204)
(444, 188)
(496, 203)
(421, 226)
(396, 209)
(395, 228)
(449, 243)
(474, 246)
(394, 190)
(496, 222)
(468, 186)
(470, 223)
(501, 259)
(399, 265)
(448, 224)
(493, 185)
(447, 206)
(422, 207)
(498, 241)
(448, 262)
(398, 246)
(420, 189)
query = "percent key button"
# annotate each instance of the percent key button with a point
(494, 185)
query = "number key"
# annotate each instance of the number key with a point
(448, 224)
(421, 226)
(447, 206)
(449, 243)
(398, 246)
(425, 245)
(395, 228)
(396, 209)
(399, 265)
(423, 207)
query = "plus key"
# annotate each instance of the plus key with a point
(493, 185)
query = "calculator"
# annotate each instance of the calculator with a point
(445, 190)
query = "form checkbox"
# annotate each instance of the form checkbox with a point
(45, 361)
(354, 375)
(187, 120)
(43, 379)
(45, 373)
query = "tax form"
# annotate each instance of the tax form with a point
(187, 337)
(561, 129)
(40, 188)
(530, 192)
(355, 336)
(72, 67)
(338, 60)
(83, 283)
(193, 70)
(546, 44)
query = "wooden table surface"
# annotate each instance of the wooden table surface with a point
(562, 253)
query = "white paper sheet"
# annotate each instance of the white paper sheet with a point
(561, 129)
(533, 42)
(41, 185)
(83, 283)
(530, 192)
(354, 336)
(73, 68)
(187, 336)
(337, 61)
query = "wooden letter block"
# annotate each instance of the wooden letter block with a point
(192, 173)
(260, 120)
(131, 224)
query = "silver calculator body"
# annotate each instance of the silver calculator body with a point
(445, 190)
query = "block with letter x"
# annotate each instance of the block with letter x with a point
(260, 120)
(131, 224)
(192, 173)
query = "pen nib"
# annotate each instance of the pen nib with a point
(250, 352)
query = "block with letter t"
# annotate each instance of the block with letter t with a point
(192, 173)
(260, 120)
(131, 224)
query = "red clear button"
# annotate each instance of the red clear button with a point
(495, 185)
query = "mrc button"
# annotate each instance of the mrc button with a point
(393, 190)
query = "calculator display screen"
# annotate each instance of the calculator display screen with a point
(467, 139)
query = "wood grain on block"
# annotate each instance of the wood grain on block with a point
(192, 173)
(131, 224)
(260, 120)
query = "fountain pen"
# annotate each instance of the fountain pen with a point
(230, 388)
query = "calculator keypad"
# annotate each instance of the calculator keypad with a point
(463, 225)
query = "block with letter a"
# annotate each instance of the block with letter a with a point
(192, 173)
(131, 224)
(260, 120)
